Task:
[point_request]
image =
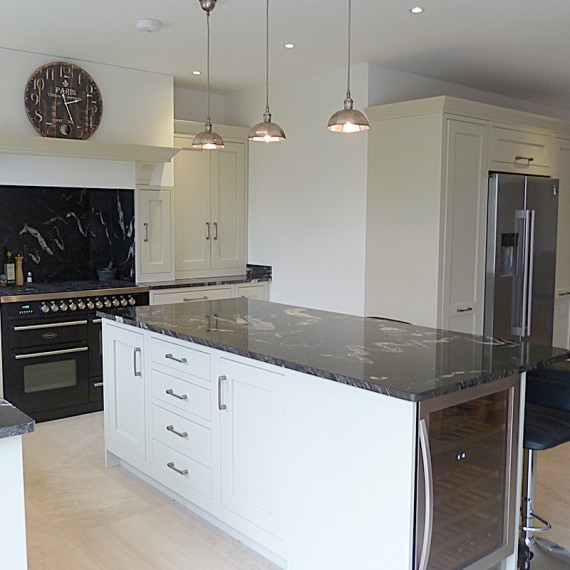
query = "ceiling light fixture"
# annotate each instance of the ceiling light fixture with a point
(196, 73)
(289, 46)
(148, 25)
(208, 139)
(348, 120)
(416, 10)
(266, 131)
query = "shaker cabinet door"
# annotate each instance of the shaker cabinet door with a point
(465, 198)
(155, 232)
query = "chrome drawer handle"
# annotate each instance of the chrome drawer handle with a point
(171, 465)
(220, 380)
(98, 385)
(465, 310)
(171, 392)
(179, 433)
(181, 360)
(564, 294)
(185, 299)
(529, 159)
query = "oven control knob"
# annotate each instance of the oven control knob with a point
(99, 304)
(90, 305)
(72, 306)
(44, 308)
(116, 302)
(124, 302)
(54, 308)
(81, 305)
(63, 307)
(107, 303)
(132, 301)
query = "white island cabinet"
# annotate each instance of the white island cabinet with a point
(324, 441)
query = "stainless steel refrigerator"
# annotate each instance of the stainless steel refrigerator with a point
(521, 257)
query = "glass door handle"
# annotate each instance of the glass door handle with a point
(428, 484)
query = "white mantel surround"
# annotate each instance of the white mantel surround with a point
(41, 161)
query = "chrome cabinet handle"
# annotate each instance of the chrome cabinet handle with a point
(529, 159)
(428, 483)
(216, 230)
(97, 321)
(464, 310)
(171, 357)
(178, 433)
(50, 326)
(171, 392)
(186, 299)
(171, 465)
(51, 353)
(98, 385)
(564, 294)
(220, 380)
(208, 228)
(135, 351)
(145, 231)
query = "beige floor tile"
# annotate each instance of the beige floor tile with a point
(60, 555)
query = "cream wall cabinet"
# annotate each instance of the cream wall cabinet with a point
(427, 199)
(154, 230)
(210, 205)
(257, 290)
(519, 150)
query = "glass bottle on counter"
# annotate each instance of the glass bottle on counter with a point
(10, 267)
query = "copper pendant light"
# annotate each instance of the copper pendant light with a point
(348, 119)
(266, 131)
(208, 139)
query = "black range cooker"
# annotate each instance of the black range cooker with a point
(52, 347)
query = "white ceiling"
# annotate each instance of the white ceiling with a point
(518, 48)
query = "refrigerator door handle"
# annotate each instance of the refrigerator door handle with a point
(520, 290)
(428, 479)
(530, 272)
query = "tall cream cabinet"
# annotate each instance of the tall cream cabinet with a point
(209, 204)
(428, 171)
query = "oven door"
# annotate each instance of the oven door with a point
(50, 378)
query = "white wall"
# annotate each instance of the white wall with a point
(192, 105)
(307, 196)
(138, 108)
(391, 86)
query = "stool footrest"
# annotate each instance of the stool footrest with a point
(547, 525)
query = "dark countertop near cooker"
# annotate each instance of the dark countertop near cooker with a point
(404, 361)
(13, 421)
(61, 287)
(254, 273)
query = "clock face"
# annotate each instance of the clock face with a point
(63, 101)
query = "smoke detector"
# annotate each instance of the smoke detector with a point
(148, 25)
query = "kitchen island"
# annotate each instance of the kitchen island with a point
(13, 424)
(300, 431)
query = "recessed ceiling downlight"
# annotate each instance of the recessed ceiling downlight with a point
(289, 46)
(196, 73)
(416, 10)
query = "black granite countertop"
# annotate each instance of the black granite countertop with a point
(13, 421)
(405, 361)
(254, 274)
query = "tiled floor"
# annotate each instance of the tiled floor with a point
(81, 515)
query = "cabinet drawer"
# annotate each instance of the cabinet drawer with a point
(183, 395)
(181, 434)
(522, 150)
(179, 472)
(188, 295)
(252, 291)
(180, 358)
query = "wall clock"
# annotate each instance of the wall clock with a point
(62, 100)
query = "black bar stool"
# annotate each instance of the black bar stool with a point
(546, 425)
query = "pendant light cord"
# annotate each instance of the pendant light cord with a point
(267, 58)
(208, 64)
(349, 26)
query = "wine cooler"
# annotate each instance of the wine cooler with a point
(467, 463)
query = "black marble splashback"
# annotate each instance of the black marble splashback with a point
(66, 234)
(400, 360)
